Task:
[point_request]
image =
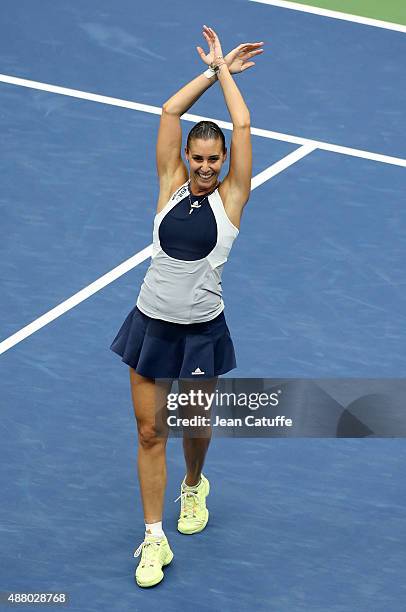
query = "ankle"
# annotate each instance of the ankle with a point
(154, 529)
(192, 482)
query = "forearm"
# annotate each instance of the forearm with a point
(180, 102)
(239, 113)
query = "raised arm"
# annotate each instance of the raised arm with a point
(237, 183)
(170, 166)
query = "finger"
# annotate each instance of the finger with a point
(256, 52)
(208, 39)
(249, 46)
(208, 30)
(249, 54)
(200, 52)
(246, 66)
(255, 44)
(209, 36)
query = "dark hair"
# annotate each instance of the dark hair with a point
(206, 130)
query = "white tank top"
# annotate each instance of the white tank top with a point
(183, 281)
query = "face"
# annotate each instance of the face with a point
(205, 159)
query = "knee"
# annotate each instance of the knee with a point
(150, 436)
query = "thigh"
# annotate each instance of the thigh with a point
(149, 397)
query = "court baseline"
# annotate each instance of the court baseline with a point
(315, 10)
(146, 108)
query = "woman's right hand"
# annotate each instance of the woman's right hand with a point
(213, 41)
(237, 59)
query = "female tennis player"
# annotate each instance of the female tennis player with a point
(177, 330)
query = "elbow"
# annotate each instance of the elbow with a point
(169, 109)
(242, 122)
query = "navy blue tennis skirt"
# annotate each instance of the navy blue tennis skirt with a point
(159, 349)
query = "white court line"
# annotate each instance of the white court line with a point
(75, 299)
(130, 263)
(281, 165)
(315, 10)
(146, 108)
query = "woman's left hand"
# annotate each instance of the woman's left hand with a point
(238, 59)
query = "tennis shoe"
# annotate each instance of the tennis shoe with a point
(155, 553)
(193, 512)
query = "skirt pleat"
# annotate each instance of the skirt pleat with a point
(160, 349)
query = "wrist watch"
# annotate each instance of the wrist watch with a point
(214, 68)
(210, 73)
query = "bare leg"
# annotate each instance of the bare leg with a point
(196, 441)
(149, 401)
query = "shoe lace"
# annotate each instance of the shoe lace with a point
(149, 549)
(189, 501)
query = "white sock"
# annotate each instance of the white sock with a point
(154, 529)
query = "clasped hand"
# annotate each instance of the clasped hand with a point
(237, 60)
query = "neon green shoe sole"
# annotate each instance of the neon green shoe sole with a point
(194, 514)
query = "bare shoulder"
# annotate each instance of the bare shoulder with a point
(168, 186)
(233, 204)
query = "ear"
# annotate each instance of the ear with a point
(225, 155)
(186, 153)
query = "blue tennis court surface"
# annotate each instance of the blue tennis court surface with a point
(296, 525)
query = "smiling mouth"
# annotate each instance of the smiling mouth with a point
(205, 177)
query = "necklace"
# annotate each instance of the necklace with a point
(197, 204)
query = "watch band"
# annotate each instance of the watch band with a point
(214, 68)
(210, 73)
